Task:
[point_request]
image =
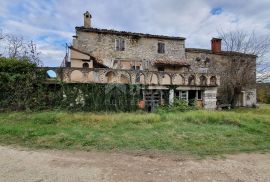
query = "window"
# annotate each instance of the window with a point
(135, 67)
(137, 74)
(184, 95)
(161, 48)
(160, 68)
(120, 44)
(85, 65)
(177, 94)
(199, 96)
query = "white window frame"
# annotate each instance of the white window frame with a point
(182, 95)
(197, 94)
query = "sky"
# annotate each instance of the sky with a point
(51, 23)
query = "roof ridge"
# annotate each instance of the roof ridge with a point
(99, 30)
(219, 53)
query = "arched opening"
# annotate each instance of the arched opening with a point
(154, 79)
(191, 80)
(213, 81)
(124, 79)
(203, 81)
(140, 78)
(178, 80)
(110, 77)
(166, 79)
(90, 77)
(51, 74)
(85, 65)
(76, 75)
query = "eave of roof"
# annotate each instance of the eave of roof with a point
(125, 33)
(225, 53)
(179, 63)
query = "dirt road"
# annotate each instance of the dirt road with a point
(18, 164)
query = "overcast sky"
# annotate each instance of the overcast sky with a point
(50, 23)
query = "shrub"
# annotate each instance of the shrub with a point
(178, 105)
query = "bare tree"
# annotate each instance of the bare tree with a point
(2, 37)
(15, 46)
(18, 48)
(32, 53)
(243, 50)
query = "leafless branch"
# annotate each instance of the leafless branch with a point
(242, 67)
(19, 48)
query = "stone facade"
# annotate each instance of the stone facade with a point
(139, 50)
(161, 62)
(217, 63)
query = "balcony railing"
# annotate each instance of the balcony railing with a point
(106, 75)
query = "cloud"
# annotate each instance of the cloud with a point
(51, 23)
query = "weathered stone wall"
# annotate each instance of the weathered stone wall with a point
(141, 49)
(210, 98)
(218, 64)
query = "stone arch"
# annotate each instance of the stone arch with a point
(178, 80)
(76, 76)
(191, 80)
(110, 77)
(213, 80)
(51, 74)
(124, 79)
(154, 79)
(203, 80)
(141, 78)
(90, 77)
(166, 79)
(85, 65)
(128, 76)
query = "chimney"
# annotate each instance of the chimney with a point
(216, 45)
(87, 19)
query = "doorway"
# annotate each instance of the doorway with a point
(155, 98)
(191, 96)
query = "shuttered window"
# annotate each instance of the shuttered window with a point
(120, 44)
(161, 48)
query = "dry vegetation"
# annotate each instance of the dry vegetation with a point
(194, 132)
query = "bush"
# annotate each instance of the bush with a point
(23, 86)
(18, 80)
(178, 105)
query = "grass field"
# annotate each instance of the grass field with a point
(195, 132)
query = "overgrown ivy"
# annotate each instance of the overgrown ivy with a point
(24, 87)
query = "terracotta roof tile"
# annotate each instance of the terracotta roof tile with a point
(172, 63)
(225, 53)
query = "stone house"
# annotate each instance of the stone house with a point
(162, 64)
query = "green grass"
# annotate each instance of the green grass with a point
(195, 132)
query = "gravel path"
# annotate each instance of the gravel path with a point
(18, 164)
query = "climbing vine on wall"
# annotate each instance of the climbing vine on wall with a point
(24, 87)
